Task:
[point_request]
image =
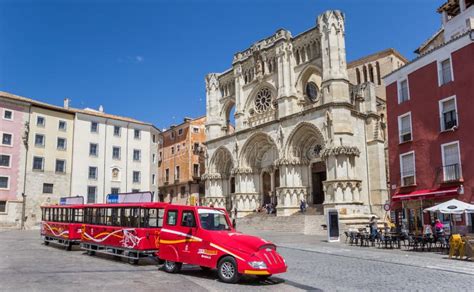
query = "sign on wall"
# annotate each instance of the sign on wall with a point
(139, 197)
(78, 200)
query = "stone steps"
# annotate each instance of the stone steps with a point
(298, 223)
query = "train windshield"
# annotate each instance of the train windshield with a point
(213, 219)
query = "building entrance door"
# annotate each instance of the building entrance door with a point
(266, 187)
(318, 175)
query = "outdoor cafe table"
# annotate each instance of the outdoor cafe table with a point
(424, 240)
(391, 237)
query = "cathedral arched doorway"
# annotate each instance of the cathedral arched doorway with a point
(318, 176)
(304, 146)
(266, 187)
(259, 154)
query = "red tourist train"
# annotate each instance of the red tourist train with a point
(174, 234)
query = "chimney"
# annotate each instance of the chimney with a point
(101, 108)
(66, 103)
(186, 119)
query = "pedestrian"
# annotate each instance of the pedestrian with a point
(373, 227)
(302, 206)
(234, 218)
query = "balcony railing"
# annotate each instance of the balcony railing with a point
(451, 172)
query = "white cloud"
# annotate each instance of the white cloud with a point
(139, 59)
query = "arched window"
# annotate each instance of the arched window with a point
(377, 68)
(365, 73)
(297, 57)
(371, 73)
(358, 75)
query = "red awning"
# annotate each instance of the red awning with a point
(440, 193)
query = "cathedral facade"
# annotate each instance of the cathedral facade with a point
(300, 131)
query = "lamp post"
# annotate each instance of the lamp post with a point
(23, 195)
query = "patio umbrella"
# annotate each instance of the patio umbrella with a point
(451, 207)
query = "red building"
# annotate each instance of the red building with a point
(430, 117)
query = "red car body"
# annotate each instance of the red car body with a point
(199, 244)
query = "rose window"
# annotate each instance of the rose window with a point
(263, 101)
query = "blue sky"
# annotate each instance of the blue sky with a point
(148, 59)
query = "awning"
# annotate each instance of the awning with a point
(440, 193)
(452, 206)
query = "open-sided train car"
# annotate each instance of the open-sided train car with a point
(61, 224)
(129, 230)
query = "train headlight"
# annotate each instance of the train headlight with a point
(258, 265)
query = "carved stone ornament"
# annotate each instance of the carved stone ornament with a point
(211, 176)
(340, 150)
(291, 161)
(242, 170)
(212, 82)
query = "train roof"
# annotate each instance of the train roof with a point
(125, 205)
(76, 206)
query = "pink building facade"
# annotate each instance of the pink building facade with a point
(13, 118)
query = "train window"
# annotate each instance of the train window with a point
(135, 218)
(152, 217)
(172, 217)
(94, 216)
(115, 216)
(109, 216)
(126, 213)
(77, 215)
(53, 218)
(188, 219)
(48, 214)
(144, 219)
(102, 213)
(161, 214)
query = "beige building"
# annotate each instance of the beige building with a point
(373, 68)
(49, 158)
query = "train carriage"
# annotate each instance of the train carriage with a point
(129, 230)
(61, 224)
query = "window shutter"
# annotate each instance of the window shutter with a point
(408, 165)
(449, 106)
(451, 155)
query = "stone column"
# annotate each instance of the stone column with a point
(238, 97)
(333, 53)
(214, 123)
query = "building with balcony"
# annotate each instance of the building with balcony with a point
(430, 115)
(302, 130)
(181, 162)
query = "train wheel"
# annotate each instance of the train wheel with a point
(172, 267)
(227, 270)
(46, 242)
(69, 246)
(91, 252)
(133, 261)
